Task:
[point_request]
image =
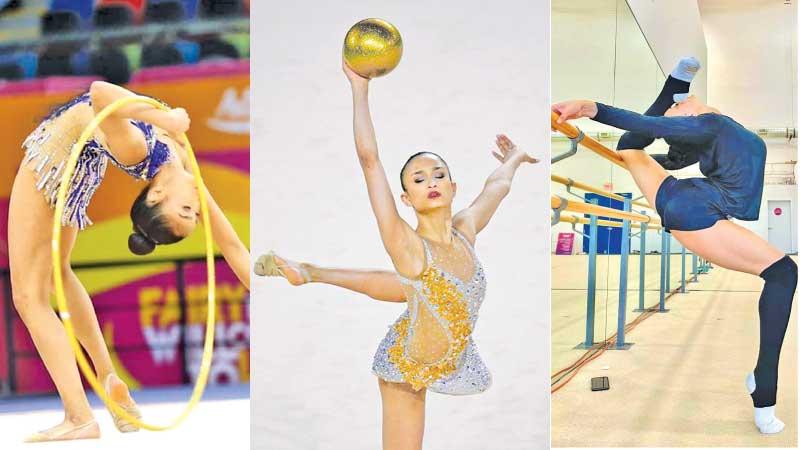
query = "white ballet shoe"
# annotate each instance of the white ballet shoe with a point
(88, 430)
(266, 266)
(120, 394)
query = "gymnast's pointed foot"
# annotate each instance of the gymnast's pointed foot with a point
(764, 417)
(272, 265)
(118, 391)
(67, 431)
(686, 69)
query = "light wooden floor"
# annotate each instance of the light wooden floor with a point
(682, 382)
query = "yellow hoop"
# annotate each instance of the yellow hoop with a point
(63, 311)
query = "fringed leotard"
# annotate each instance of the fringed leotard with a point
(48, 147)
(430, 345)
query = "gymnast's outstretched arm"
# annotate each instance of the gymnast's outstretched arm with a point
(124, 140)
(690, 129)
(476, 216)
(232, 248)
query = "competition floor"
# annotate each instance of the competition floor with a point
(682, 382)
(220, 420)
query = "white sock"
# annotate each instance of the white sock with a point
(764, 417)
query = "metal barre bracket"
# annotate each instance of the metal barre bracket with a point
(586, 235)
(557, 211)
(573, 147)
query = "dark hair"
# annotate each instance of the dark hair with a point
(149, 227)
(411, 158)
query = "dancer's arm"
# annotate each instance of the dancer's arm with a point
(691, 129)
(380, 285)
(126, 142)
(232, 248)
(399, 239)
(474, 218)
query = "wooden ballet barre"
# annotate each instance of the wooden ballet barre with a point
(566, 218)
(572, 132)
(560, 204)
(587, 188)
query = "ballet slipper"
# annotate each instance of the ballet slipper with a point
(267, 266)
(121, 396)
(88, 430)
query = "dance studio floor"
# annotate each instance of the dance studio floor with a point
(682, 382)
(220, 420)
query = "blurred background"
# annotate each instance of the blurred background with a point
(189, 53)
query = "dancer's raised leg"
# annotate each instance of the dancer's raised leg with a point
(378, 284)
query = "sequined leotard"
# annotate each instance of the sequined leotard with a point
(47, 149)
(430, 345)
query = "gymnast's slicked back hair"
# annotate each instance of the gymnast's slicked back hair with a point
(422, 153)
(149, 225)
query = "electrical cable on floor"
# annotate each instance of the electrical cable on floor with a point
(561, 378)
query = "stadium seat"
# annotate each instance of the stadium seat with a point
(134, 54)
(83, 8)
(164, 11)
(11, 71)
(113, 16)
(54, 61)
(216, 48)
(190, 51)
(239, 40)
(111, 64)
(221, 8)
(9, 5)
(136, 6)
(28, 61)
(161, 54)
(190, 7)
(60, 22)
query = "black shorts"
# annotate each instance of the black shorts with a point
(689, 204)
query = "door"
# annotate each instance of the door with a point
(780, 224)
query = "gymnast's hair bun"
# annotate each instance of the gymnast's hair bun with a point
(140, 245)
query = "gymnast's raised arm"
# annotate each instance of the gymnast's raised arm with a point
(399, 239)
(476, 216)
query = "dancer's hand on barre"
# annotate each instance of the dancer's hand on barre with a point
(509, 151)
(356, 80)
(574, 109)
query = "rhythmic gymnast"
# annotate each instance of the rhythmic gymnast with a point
(697, 210)
(429, 347)
(143, 142)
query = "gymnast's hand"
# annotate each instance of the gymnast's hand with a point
(509, 151)
(356, 80)
(177, 122)
(574, 109)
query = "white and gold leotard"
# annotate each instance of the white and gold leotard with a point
(430, 345)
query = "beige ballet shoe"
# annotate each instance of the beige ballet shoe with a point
(120, 394)
(266, 266)
(89, 430)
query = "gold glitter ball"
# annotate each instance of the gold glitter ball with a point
(372, 48)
